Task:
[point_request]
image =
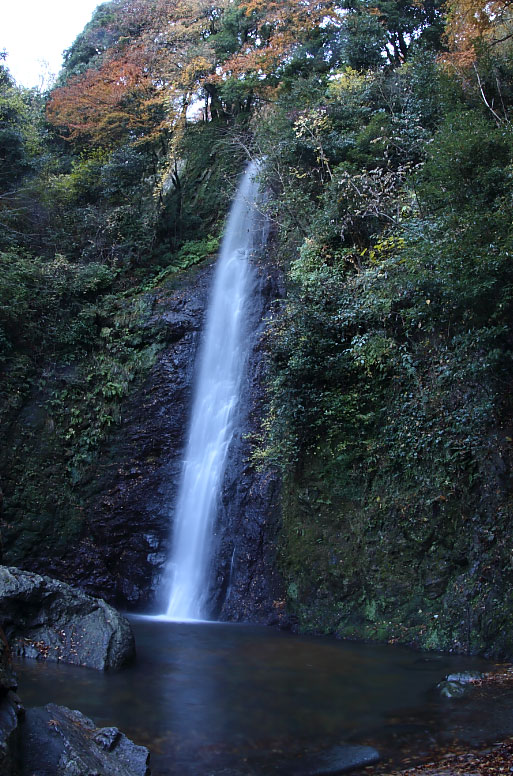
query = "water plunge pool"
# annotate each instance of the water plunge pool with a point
(212, 698)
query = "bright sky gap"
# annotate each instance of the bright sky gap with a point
(35, 34)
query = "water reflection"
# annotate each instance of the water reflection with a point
(207, 695)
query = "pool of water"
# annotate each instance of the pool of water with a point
(209, 696)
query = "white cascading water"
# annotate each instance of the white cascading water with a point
(221, 363)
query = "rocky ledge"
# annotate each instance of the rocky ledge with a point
(46, 619)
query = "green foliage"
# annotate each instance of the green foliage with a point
(39, 299)
(390, 357)
(468, 165)
(197, 194)
(95, 38)
(14, 159)
(391, 353)
(21, 151)
(83, 411)
(59, 418)
(365, 41)
(194, 251)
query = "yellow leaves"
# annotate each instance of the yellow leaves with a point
(297, 173)
(196, 69)
(348, 80)
(311, 123)
(384, 249)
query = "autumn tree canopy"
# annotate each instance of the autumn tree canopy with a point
(139, 65)
(472, 23)
(158, 54)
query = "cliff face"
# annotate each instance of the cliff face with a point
(131, 511)
(437, 575)
(246, 583)
(128, 499)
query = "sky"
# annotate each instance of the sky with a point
(36, 32)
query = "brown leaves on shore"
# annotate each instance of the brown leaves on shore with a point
(495, 759)
(492, 761)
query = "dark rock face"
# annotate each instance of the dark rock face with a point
(7, 676)
(131, 509)
(129, 518)
(246, 585)
(61, 742)
(1, 510)
(46, 619)
(10, 713)
(128, 506)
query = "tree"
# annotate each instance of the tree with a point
(104, 106)
(277, 30)
(471, 24)
(157, 56)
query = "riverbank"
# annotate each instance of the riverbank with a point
(459, 759)
(490, 761)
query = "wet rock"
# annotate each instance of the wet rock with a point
(466, 677)
(128, 510)
(47, 619)
(456, 685)
(7, 675)
(60, 742)
(451, 689)
(247, 585)
(1, 511)
(10, 713)
(338, 759)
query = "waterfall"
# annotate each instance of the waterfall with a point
(222, 358)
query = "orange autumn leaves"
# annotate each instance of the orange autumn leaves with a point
(103, 106)
(164, 54)
(143, 84)
(473, 24)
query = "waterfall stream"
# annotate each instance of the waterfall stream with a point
(222, 358)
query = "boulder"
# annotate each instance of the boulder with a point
(338, 759)
(49, 620)
(451, 689)
(456, 685)
(10, 713)
(466, 677)
(60, 742)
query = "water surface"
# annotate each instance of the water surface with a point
(205, 697)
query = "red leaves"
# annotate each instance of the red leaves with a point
(103, 105)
